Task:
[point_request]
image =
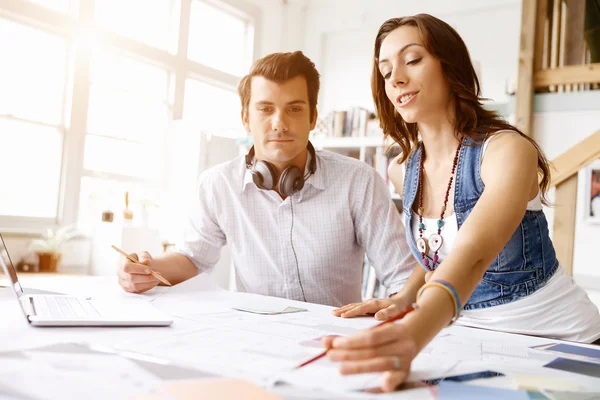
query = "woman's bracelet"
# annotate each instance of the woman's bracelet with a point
(451, 292)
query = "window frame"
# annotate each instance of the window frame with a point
(77, 88)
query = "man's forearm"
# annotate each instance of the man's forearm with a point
(175, 267)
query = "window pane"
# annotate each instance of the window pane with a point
(98, 195)
(128, 101)
(153, 22)
(213, 109)
(30, 158)
(63, 6)
(219, 39)
(121, 72)
(124, 158)
(32, 73)
(127, 116)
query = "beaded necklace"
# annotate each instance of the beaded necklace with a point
(435, 240)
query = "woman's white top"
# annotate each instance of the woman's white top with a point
(560, 309)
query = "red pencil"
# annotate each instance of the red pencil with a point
(394, 318)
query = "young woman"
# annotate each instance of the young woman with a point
(472, 192)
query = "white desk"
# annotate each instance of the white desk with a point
(15, 334)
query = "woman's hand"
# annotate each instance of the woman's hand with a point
(382, 308)
(387, 348)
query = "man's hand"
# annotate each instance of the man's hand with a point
(382, 308)
(136, 278)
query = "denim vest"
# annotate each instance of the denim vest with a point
(527, 261)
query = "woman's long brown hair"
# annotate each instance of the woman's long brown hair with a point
(444, 43)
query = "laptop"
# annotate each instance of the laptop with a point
(65, 310)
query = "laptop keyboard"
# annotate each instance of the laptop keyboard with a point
(64, 307)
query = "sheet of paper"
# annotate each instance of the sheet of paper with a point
(270, 310)
(328, 376)
(566, 395)
(504, 350)
(462, 391)
(426, 367)
(537, 383)
(76, 376)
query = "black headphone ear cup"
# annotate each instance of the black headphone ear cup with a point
(265, 173)
(291, 181)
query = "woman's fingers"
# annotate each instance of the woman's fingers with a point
(379, 336)
(399, 348)
(393, 379)
(327, 341)
(379, 364)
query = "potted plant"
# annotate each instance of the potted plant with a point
(48, 247)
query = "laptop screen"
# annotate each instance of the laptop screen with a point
(8, 268)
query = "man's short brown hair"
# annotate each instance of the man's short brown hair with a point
(280, 67)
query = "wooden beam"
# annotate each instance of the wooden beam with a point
(588, 73)
(550, 19)
(564, 222)
(540, 34)
(525, 77)
(574, 32)
(574, 159)
(574, 39)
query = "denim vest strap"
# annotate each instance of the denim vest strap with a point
(527, 261)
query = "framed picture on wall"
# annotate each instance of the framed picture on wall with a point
(592, 201)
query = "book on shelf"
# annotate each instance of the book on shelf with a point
(348, 123)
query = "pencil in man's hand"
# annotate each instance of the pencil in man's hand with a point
(156, 274)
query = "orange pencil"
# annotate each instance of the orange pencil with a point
(392, 319)
(157, 275)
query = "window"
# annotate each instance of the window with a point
(153, 22)
(128, 117)
(32, 78)
(32, 73)
(30, 158)
(213, 109)
(87, 107)
(220, 39)
(128, 122)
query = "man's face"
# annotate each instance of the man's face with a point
(278, 117)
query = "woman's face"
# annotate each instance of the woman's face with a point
(414, 81)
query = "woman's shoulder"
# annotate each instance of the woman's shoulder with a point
(508, 142)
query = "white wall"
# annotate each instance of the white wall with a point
(340, 36)
(281, 26)
(556, 132)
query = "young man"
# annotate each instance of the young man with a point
(298, 221)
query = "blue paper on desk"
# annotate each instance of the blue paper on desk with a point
(448, 390)
(578, 367)
(576, 350)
